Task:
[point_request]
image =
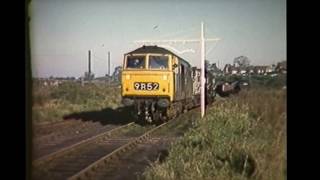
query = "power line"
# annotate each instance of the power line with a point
(187, 31)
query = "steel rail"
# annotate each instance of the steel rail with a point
(59, 153)
(89, 170)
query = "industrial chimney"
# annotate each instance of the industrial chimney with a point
(89, 66)
(109, 63)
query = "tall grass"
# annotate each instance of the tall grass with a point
(243, 137)
(52, 103)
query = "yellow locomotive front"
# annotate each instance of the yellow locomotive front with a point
(147, 75)
(148, 82)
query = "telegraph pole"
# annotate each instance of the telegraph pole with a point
(203, 79)
(202, 59)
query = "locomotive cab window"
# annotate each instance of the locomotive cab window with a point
(158, 62)
(136, 62)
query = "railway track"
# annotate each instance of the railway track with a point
(67, 131)
(76, 161)
(129, 161)
(48, 128)
(64, 151)
(108, 154)
(47, 144)
(97, 168)
(63, 128)
(71, 160)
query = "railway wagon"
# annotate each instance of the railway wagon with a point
(210, 87)
(157, 82)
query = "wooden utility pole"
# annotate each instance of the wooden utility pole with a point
(203, 79)
(202, 41)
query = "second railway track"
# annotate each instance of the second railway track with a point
(47, 144)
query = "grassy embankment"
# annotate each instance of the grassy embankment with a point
(50, 104)
(242, 137)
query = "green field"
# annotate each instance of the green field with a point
(50, 104)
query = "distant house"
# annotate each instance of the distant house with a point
(242, 71)
(260, 70)
(250, 70)
(270, 70)
(281, 67)
(254, 70)
(227, 69)
(231, 69)
(214, 69)
(234, 70)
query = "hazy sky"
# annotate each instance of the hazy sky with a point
(62, 31)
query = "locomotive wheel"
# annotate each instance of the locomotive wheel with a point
(164, 119)
(185, 110)
(156, 116)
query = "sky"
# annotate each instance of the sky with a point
(62, 31)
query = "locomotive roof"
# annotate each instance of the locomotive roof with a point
(156, 50)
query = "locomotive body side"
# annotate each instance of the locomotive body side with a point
(183, 83)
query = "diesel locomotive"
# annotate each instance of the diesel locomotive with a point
(159, 84)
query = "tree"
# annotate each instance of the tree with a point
(242, 61)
